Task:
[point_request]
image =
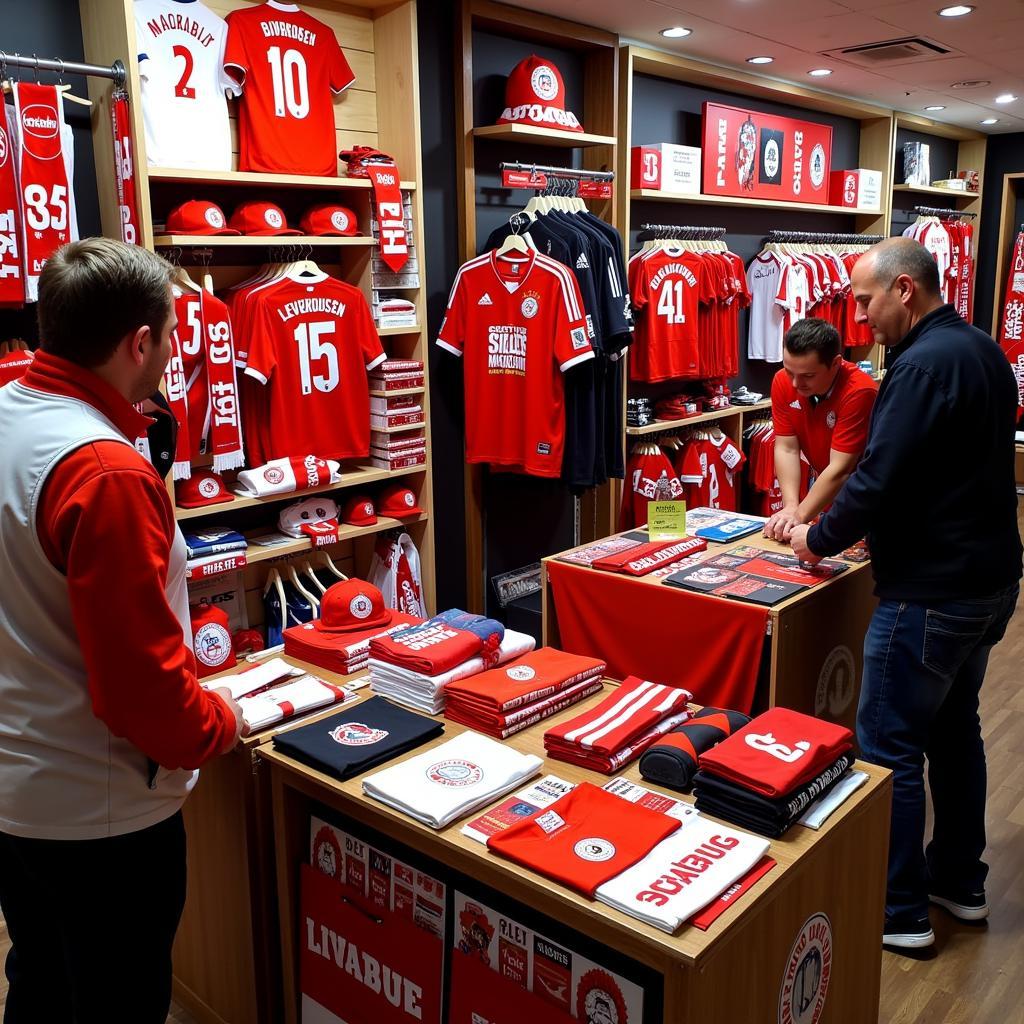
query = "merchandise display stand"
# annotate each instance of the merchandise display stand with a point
(224, 961)
(759, 934)
(813, 654)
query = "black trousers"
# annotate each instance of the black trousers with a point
(91, 924)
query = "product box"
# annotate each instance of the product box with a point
(399, 383)
(399, 418)
(666, 168)
(389, 405)
(951, 184)
(393, 462)
(859, 189)
(916, 164)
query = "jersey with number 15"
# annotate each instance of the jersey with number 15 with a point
(312, 343)
(181, 66)
(288, 64)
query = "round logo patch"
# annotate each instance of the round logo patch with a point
(327, 855)
(273, 475)
(212, 644)
(214, 217)
(339, 220)
(355, 734)
(360, 606)
(544, 83)
(454, 772)
(805, 983)
(529, 307)
(599, 1000)
(409, 499)
(273, 218)
(830, 419)
(818, 166)
(520, 673)
(209, 488)
(594, 849)
(771, 158)
(4, 148)
(835, 683)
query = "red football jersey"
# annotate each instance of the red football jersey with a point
(288, 65)
(520, 324)
(312, 343)
(709, 471)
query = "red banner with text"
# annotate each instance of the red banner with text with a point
(764, 156)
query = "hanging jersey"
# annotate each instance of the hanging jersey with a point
(519, 325)
(765, 329)
(288, 65)
(709, 472)
(12, 271)
(181, 68)
(649, 477)
(44, 151)
(312, 345)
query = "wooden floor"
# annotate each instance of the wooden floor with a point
(975, 975)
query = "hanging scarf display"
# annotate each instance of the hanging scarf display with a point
(124, 167)
(12, 276)
(1011, 330)
(393, 239)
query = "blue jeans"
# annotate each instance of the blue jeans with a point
(923, 669)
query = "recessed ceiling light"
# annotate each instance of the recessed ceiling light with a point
(820, 72)
(936, 107)
(1007, 97)
(760, 60)
(991, 120)
(676, 32)
(971, 83)
(958, 11)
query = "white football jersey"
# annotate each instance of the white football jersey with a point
(765, 328)
(181, 65)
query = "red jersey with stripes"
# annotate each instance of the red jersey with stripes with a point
(519, 324)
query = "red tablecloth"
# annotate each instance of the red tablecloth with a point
(709, 645)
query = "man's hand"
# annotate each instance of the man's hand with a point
(241, 729)
(798, 539)
(780, 526)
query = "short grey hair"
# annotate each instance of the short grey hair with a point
(897, 256)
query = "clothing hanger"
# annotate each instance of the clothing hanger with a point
(293, 578)
(307, 574)
(514, 242)
(325, 559)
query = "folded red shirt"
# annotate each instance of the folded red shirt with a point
(585, 838)
(341, 651)
(431, 649)
(646, 558)
(778, 751)
(506, 724)
(610, 763)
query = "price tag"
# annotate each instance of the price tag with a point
(523, 179)
(666, 520)
(595, 190)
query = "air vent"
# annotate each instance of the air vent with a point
(891, 52)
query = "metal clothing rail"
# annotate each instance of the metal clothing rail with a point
(684, 232)
(942, 212)
(115, 72)
(826, 237)
(574, 173)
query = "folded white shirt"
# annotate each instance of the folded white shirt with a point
(822, 809)
(284, 702)
(259, 677)
(683, 873)
(451, 780)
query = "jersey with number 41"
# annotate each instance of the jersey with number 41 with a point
(288, 64)
(312, 344)
(181, 67)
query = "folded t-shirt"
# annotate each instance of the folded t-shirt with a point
(430, 649)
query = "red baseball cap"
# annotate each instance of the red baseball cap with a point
(398, 501)
(359, 511)
(535, 95)
(198, 217)
(257, 218)
(329, 219)
(351, 605)
(205, 488)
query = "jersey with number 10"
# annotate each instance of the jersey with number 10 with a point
(312, 344)
(181, 66)
(288, 65)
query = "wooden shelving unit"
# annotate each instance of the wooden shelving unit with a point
(931, 190)
(258, 553)
(226, 962)
(657, 196)
(665, 426)
(542, 136)
(397, 394)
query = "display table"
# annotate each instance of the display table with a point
(812, 654)
(734, 971)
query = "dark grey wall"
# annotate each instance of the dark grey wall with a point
(51, 28)
(1004, 155)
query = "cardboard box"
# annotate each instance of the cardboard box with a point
(859, 189)
(666, 168)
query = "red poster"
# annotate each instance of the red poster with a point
(765, 156)
(480, 995)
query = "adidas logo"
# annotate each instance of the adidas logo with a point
(485, 300)
(795, 405)
(582, 263)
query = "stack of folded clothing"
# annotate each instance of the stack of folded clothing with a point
(453, 779)
(505, 700)
(672, 760)
(621, 727)
(397, 375)
(764, 776)
(214, 551)
(414, 666)
(280, 703)
(645, 558)
(352, 613)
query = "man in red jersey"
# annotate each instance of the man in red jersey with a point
(102, 719)
(821, 406)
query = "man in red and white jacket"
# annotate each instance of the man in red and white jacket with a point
(102, 720)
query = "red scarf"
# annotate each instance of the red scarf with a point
(1011, 331)
(393, 241)
(12, 279)
(124, 167)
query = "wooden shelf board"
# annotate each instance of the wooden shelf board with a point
(542, 136)
(929, 190)
(398, 393)
(256, 553)
(657, 196)
(403, 429)
(393, 332)
(354, 478)
(267, 180)
(662, 426)
(256, 241)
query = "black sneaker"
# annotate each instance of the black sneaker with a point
(967, 906)
(906, 932)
